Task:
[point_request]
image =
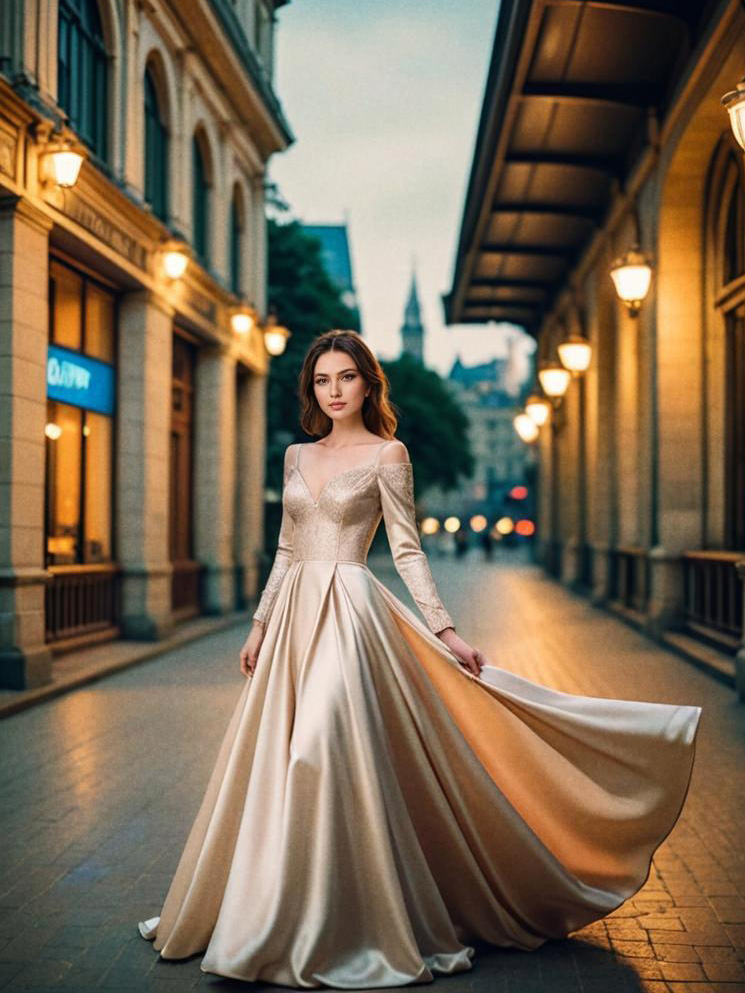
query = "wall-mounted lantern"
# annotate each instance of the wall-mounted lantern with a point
(526, 427)
(575, 353)
(554, 379)
(174, 254)
(63, 157)
(734, 101)
(632, 275)
(538, 409)
(243, 318)
(275, 334)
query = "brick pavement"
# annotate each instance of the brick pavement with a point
(98, 790)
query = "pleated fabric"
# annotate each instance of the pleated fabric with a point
(374, 808)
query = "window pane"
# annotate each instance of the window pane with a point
(63, 483)
(98, 480)
(200, 204)
(67, 293)
(99, 323)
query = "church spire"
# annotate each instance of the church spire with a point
(412, 330)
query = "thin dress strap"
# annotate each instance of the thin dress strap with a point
(297, 453)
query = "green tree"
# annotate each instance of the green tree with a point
(431, 424)
(308, 303)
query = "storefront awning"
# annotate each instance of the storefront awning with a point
(564, 117)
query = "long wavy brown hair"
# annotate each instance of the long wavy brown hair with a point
(377, 409)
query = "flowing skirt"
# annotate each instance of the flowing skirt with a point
(374, 808)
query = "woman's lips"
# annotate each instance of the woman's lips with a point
(335, 405)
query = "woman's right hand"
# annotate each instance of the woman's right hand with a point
(250, 651)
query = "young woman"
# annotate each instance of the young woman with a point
(382, 797)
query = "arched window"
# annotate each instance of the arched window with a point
(235, 247)
(82, 71)
(156, 149)
(200, 201)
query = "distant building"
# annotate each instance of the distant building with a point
(489, 394)
(337, 261)
(412, 329)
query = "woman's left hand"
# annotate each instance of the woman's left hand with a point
(470, 658)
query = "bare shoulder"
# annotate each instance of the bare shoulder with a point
(290, 453)
(394, 453)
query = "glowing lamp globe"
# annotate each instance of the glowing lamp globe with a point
(65, 165)
(242, 320)
(575, 353)
(554, 380)
(632, 276)
(526, 427)
(734, 101)
(174, 258)
(538, 408)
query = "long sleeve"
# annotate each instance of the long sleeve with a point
(396, 485)
(281, 564)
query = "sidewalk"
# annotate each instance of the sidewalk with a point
(76, 669)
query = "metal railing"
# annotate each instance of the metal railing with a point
(81, 600)
(713, 596)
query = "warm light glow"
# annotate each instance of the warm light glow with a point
(242, 320)
(478, 523)
(518, 492)
(65, 164)
(575, 353)
(451, 524)
(430, 525)
(554, 380)
(632, 276)
(525, 528)
(275, 335)
(53, 431)
(538, 408)
(505, 525)
(175, 261)
(734, 101)
(526, 427)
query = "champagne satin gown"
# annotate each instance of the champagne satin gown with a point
(374, 807)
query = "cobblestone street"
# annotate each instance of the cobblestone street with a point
(100, 787)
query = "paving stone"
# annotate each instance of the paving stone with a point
(93, 833)
(724, 972)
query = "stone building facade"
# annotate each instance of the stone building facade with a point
(603, 127)
(488, 393)
(131, 415)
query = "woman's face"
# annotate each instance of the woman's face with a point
(338, 385)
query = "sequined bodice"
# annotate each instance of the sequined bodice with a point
(342, 522)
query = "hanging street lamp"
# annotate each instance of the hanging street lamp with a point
(632, 275)
(275, 334)
(243, 319)
(526, 427)
(575, 353)
(538, 409)
(554, 379)
(64, 157)
(734, 101)
(174, 255)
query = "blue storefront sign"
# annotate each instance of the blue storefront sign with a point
(80, 380)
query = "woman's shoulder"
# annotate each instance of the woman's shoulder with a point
(394, 452)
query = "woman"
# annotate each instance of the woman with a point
(382, 797)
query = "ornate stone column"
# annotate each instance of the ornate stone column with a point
(214, 475)
(25, 660)
(250, 462)
(143, 464)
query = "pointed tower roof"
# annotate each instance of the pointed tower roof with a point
(413, 311)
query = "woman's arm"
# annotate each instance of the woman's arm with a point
(396, 483)
(283, 555)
